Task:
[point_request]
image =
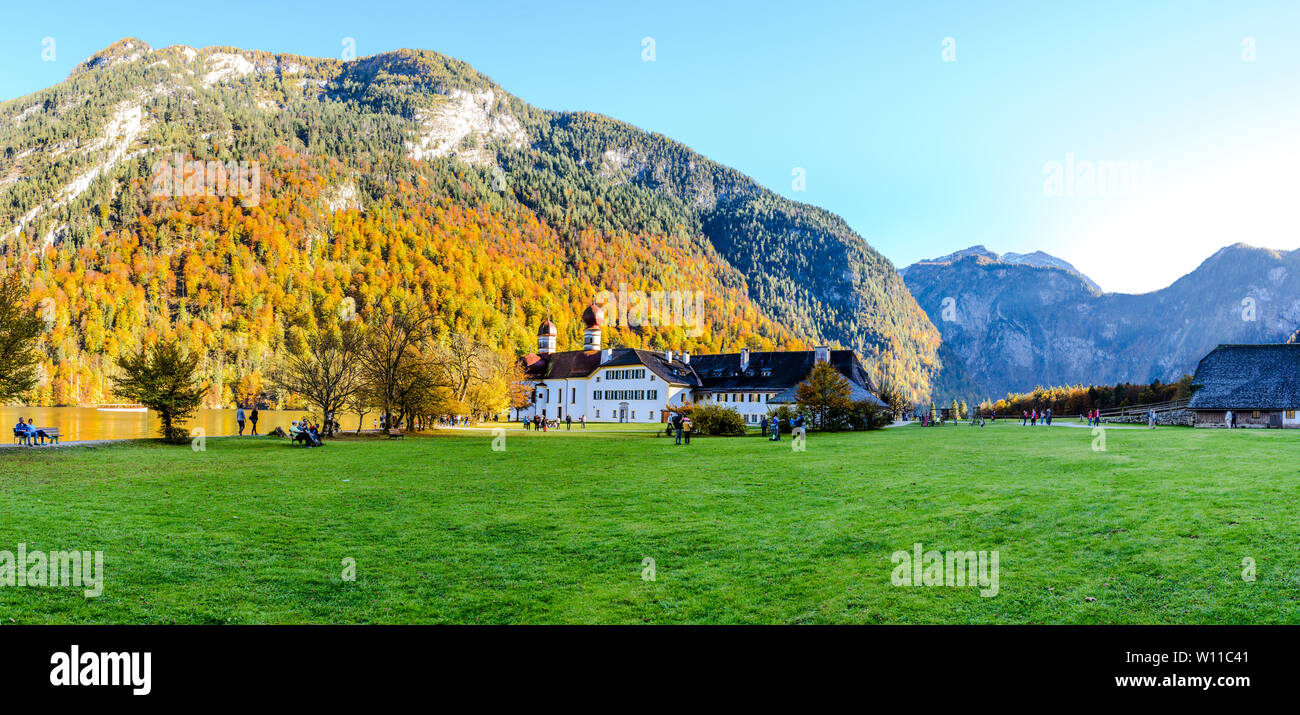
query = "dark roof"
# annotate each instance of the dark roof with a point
(676, 372)
(559, 366)
(857, 393)
(581, 363)
(772, 370)
(1248, 377)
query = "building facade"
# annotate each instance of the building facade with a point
(633, 385)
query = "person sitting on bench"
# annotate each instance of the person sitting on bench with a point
(21, 433)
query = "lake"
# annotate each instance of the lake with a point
(76, 423)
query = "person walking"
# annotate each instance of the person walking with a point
(582, 420)
(677, 427)
(762, 425)
(568, 422)
(776, 429)
(1024, 417)
(239, 419)
(1049, 417)
(252, 420)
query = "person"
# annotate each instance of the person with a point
(313, 433)
(239, 418)
(686, 429)
(33, 434)
(21, 431)
(677, 427)
(796, 426)
(568, 422)
(1151, 419)
(1049, 417)
(762, 425)
(1024, 417)
(582, 421)
(252, 420)
(776, 429)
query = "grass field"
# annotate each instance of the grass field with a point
(555, 528)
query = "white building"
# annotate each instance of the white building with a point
(633, 385)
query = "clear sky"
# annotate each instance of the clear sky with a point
(925, 145)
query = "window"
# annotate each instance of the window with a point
(1290, 414)
(633, 414)
(595, 395)
(653, 395)
(598, 413)
(573, 395)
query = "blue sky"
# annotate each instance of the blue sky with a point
(921, 155)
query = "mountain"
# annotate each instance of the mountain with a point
(1036, 259)
(1014, 326)
(404, 175)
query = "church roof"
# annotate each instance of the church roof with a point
(561, 366)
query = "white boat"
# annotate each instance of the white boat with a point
(124, 407)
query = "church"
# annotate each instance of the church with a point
(635, 385)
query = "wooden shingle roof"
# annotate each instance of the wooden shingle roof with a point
(1248, 377)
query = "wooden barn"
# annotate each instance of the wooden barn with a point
(1259, 383)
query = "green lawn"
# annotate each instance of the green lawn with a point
(555, 528)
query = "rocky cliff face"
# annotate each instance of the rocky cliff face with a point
(1013, 326)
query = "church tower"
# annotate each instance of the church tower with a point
(594, 318)
(546, 338)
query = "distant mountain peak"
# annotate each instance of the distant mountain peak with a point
(1037, 259)
(127, 49)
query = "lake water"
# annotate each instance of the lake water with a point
(76, 423)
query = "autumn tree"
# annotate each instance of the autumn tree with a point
(824, 392)
(393, 363)
(520, 390)
(463, 364)
(19, 330)
(163, 378)
(327, 373)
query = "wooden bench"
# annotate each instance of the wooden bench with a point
(51, 433)
(394, 433)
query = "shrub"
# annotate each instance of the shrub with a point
(715, 420)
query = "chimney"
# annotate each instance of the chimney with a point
(821, 354)
(686, 358)
(668, 355)
(744, 358)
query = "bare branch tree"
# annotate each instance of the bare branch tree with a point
(327, 374)
(391, 356)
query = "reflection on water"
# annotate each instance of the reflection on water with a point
(90, 423)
